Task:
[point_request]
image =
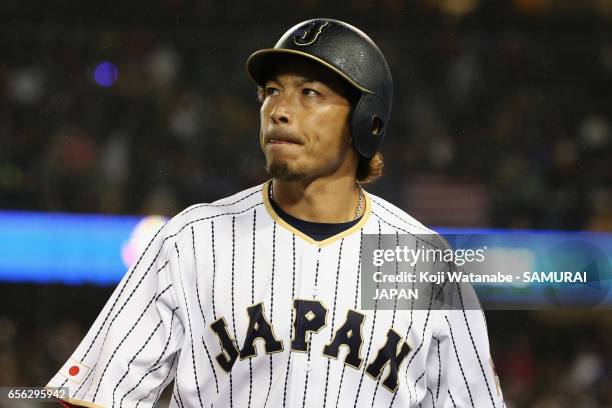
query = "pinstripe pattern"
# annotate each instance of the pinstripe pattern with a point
(357, 280)
(106, 316)
(452, 399)
(165, 381)
(252, 300)
(195, 268)
(272, 304)
(433, 400)
(131, 274)
(467, 325)
(212, 217)
(416, 225)
(153, 299)
(291, 322)
(195, 373)
(407, 334)
(397, 242)
(314, 295)
(177, 393)
(431, 297)
(134, 357)
(392, 319)
(218, 204)
(176, 400)
(231, 394)
(422, 343)
(89, 375)
(405, 231)
(213, 262)
(214, 269)
(135, 268)
(467, 384)
(418, 379)
(156, 366)
(333, 317)
(370, 339)
(115, 318)
(212, 366)
(439, 368)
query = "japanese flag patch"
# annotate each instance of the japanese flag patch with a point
(74, 371)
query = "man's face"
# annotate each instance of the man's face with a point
(304, 123)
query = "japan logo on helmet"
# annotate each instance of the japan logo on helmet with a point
(308, 34)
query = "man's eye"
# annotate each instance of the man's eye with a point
(309, 92)
(271, 91)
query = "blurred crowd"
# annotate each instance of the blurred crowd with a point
(498, 120)
(501, 118)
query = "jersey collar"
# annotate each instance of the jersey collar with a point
(364, 219)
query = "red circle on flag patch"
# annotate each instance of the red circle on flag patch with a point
(74, 370)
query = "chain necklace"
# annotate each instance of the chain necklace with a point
(359, 201)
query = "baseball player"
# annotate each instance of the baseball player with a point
(253, 300)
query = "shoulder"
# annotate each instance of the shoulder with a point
(235, 205)
(389, 213)
(399, 220)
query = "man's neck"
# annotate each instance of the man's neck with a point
(321, 200)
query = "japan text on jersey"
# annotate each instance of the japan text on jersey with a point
(242, 310)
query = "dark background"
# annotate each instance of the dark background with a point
(501, 119)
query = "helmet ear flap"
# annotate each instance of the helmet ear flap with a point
(368, 124)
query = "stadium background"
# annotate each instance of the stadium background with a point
(501, 119)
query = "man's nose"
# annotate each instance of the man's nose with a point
(283, 110)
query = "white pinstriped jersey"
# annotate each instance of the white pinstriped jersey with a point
(242, 310)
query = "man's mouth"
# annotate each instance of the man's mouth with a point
(282, 140)
(276, 141)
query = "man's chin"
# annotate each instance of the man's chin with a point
(283, 171)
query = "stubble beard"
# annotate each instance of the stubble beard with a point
(284, 171)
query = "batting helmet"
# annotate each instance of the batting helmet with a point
(350, 53)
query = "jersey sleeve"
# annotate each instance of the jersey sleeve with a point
(460, 370)
(130, 352)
